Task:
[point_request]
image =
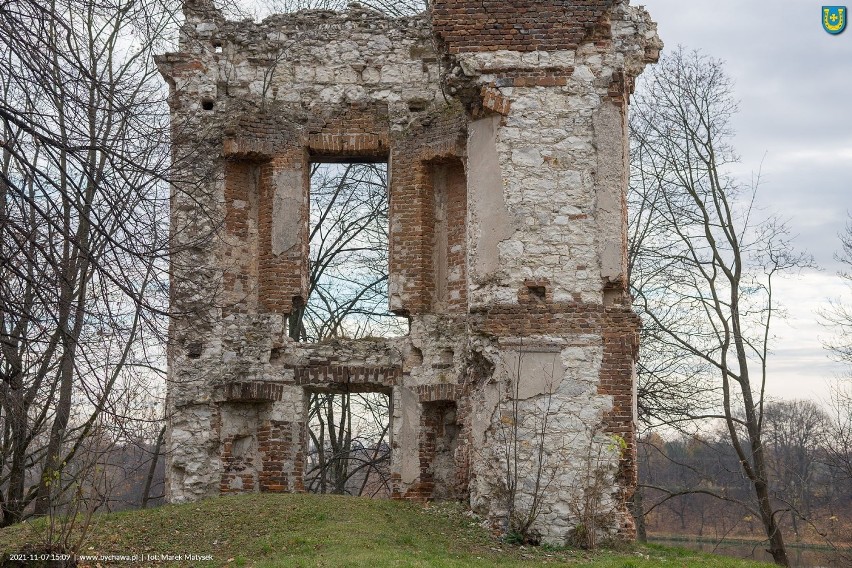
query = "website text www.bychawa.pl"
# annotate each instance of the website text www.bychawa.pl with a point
(112, 558)
(145, 558)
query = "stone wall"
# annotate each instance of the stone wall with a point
(504, 127)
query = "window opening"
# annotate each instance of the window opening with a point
(348, 275)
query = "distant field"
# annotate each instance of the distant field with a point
(266, 530)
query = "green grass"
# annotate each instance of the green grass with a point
(274, 530)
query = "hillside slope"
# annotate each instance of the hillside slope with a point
(266, 530)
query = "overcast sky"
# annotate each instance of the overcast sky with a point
(794, 83)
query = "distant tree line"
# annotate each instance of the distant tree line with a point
(693, 485)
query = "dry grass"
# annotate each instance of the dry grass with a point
(266, 530)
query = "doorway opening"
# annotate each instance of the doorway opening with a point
(348, 443)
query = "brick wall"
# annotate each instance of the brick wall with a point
(448, 274)
(443, 474)
(280, 445)
(239, 471)
(621, 344)
(352, 132)
(358, 86)
(372, 378)
(253, 391)
(284, 276)
(521, 25)
(262, 147)
(412, 206)
(241, 211)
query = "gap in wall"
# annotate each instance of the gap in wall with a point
(348, 444)
(348, 287)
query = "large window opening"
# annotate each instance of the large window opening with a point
(348, 446)
(348, 286)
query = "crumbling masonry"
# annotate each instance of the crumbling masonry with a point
(504, 128)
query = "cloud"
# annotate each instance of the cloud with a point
(795, 127)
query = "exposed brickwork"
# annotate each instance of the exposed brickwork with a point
(503, 127)
(240, 184)
(620, 89)
(464, 412)
(284, 276)
(438, 442)
(557, 77)
(239, 473)
(525, 25)
(242, 178)
(257, 137)
(457, 239)
(262, 148)
(493, 101)
(358, 131)
(412, 207)
(254, 391)
(558, 318)
(621, 347)
(433, 393)
(375, 377)
(279, 444)
(446, 268)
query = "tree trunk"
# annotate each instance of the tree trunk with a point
(639, 516)
(767, 516)
(146, 493)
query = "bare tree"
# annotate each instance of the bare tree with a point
(349, 451)
(83, 214)
(794, 433)
(348, 281)
(683, 477)
(838, 317)
(838, 439)
(703, 278)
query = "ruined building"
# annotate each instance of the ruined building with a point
(503, 125)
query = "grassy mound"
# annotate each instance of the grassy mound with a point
(275, 530)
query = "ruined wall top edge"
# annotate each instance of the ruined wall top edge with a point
(455, 26)
(205, 24)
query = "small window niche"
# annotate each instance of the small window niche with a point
(438, 448)
(449, 238)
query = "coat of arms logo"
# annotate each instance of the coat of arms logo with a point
(834, 19)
